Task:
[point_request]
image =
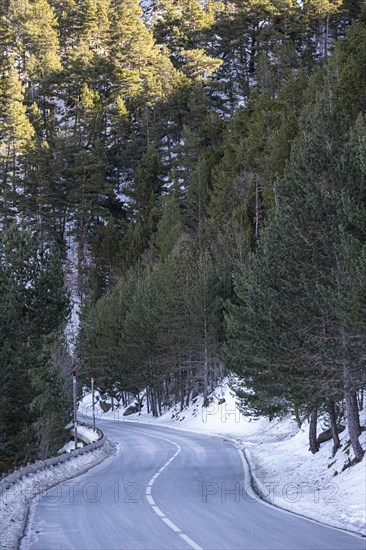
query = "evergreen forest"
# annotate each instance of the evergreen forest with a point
(189, 176)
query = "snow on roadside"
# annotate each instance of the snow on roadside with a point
(288, 475)
(284, 471)
(15, 501)
(70, 446)
(88, 433)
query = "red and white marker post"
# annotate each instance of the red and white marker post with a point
(93, 401)
(73, 374)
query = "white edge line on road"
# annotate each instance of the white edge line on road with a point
(151, 501)
(257, 498)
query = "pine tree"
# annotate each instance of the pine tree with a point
(7, 41)
(351, 279)
(176, 334)
(15, 139)
(170, 226)
(41, 40)
(140, 333)
(101, 342)
(32, 289)
(84, 38)
(206, 320)
(141, 69)
(182, 25)
(89, 186)
(197, 202)
(13, 377)
(119, 139)
(351, 83)
(290, 325)
(144, 194)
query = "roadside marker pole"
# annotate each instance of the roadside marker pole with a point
(93, 402)
(75, 412)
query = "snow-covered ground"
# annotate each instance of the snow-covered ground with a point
(15, 501)
(284, 471)
(88, 434)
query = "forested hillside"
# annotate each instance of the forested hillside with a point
(199, 169)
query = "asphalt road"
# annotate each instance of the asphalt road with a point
(169, 489)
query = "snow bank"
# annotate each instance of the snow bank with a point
(288, 475)
(284, 471)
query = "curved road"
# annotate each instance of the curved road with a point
(167, 489)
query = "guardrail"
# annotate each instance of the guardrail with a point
(53, 461)
(83, 437)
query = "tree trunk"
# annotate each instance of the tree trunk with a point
(139, 403)
(205, 363)
(256, 208)
(188, 396)
(361, 399)
(166, 391)
(350, 398)
(352, 415)
(356, 410)
(153, 402)
(313, 444)
(333, 427)
(147, 400)
(181, 399)
(297, 416)
(158, 395)
(252, 55)
(181, 390)
(326, 38)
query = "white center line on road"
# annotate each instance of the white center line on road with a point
(171, 525)
(151, 501)
(158, 512)
(190, 542)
